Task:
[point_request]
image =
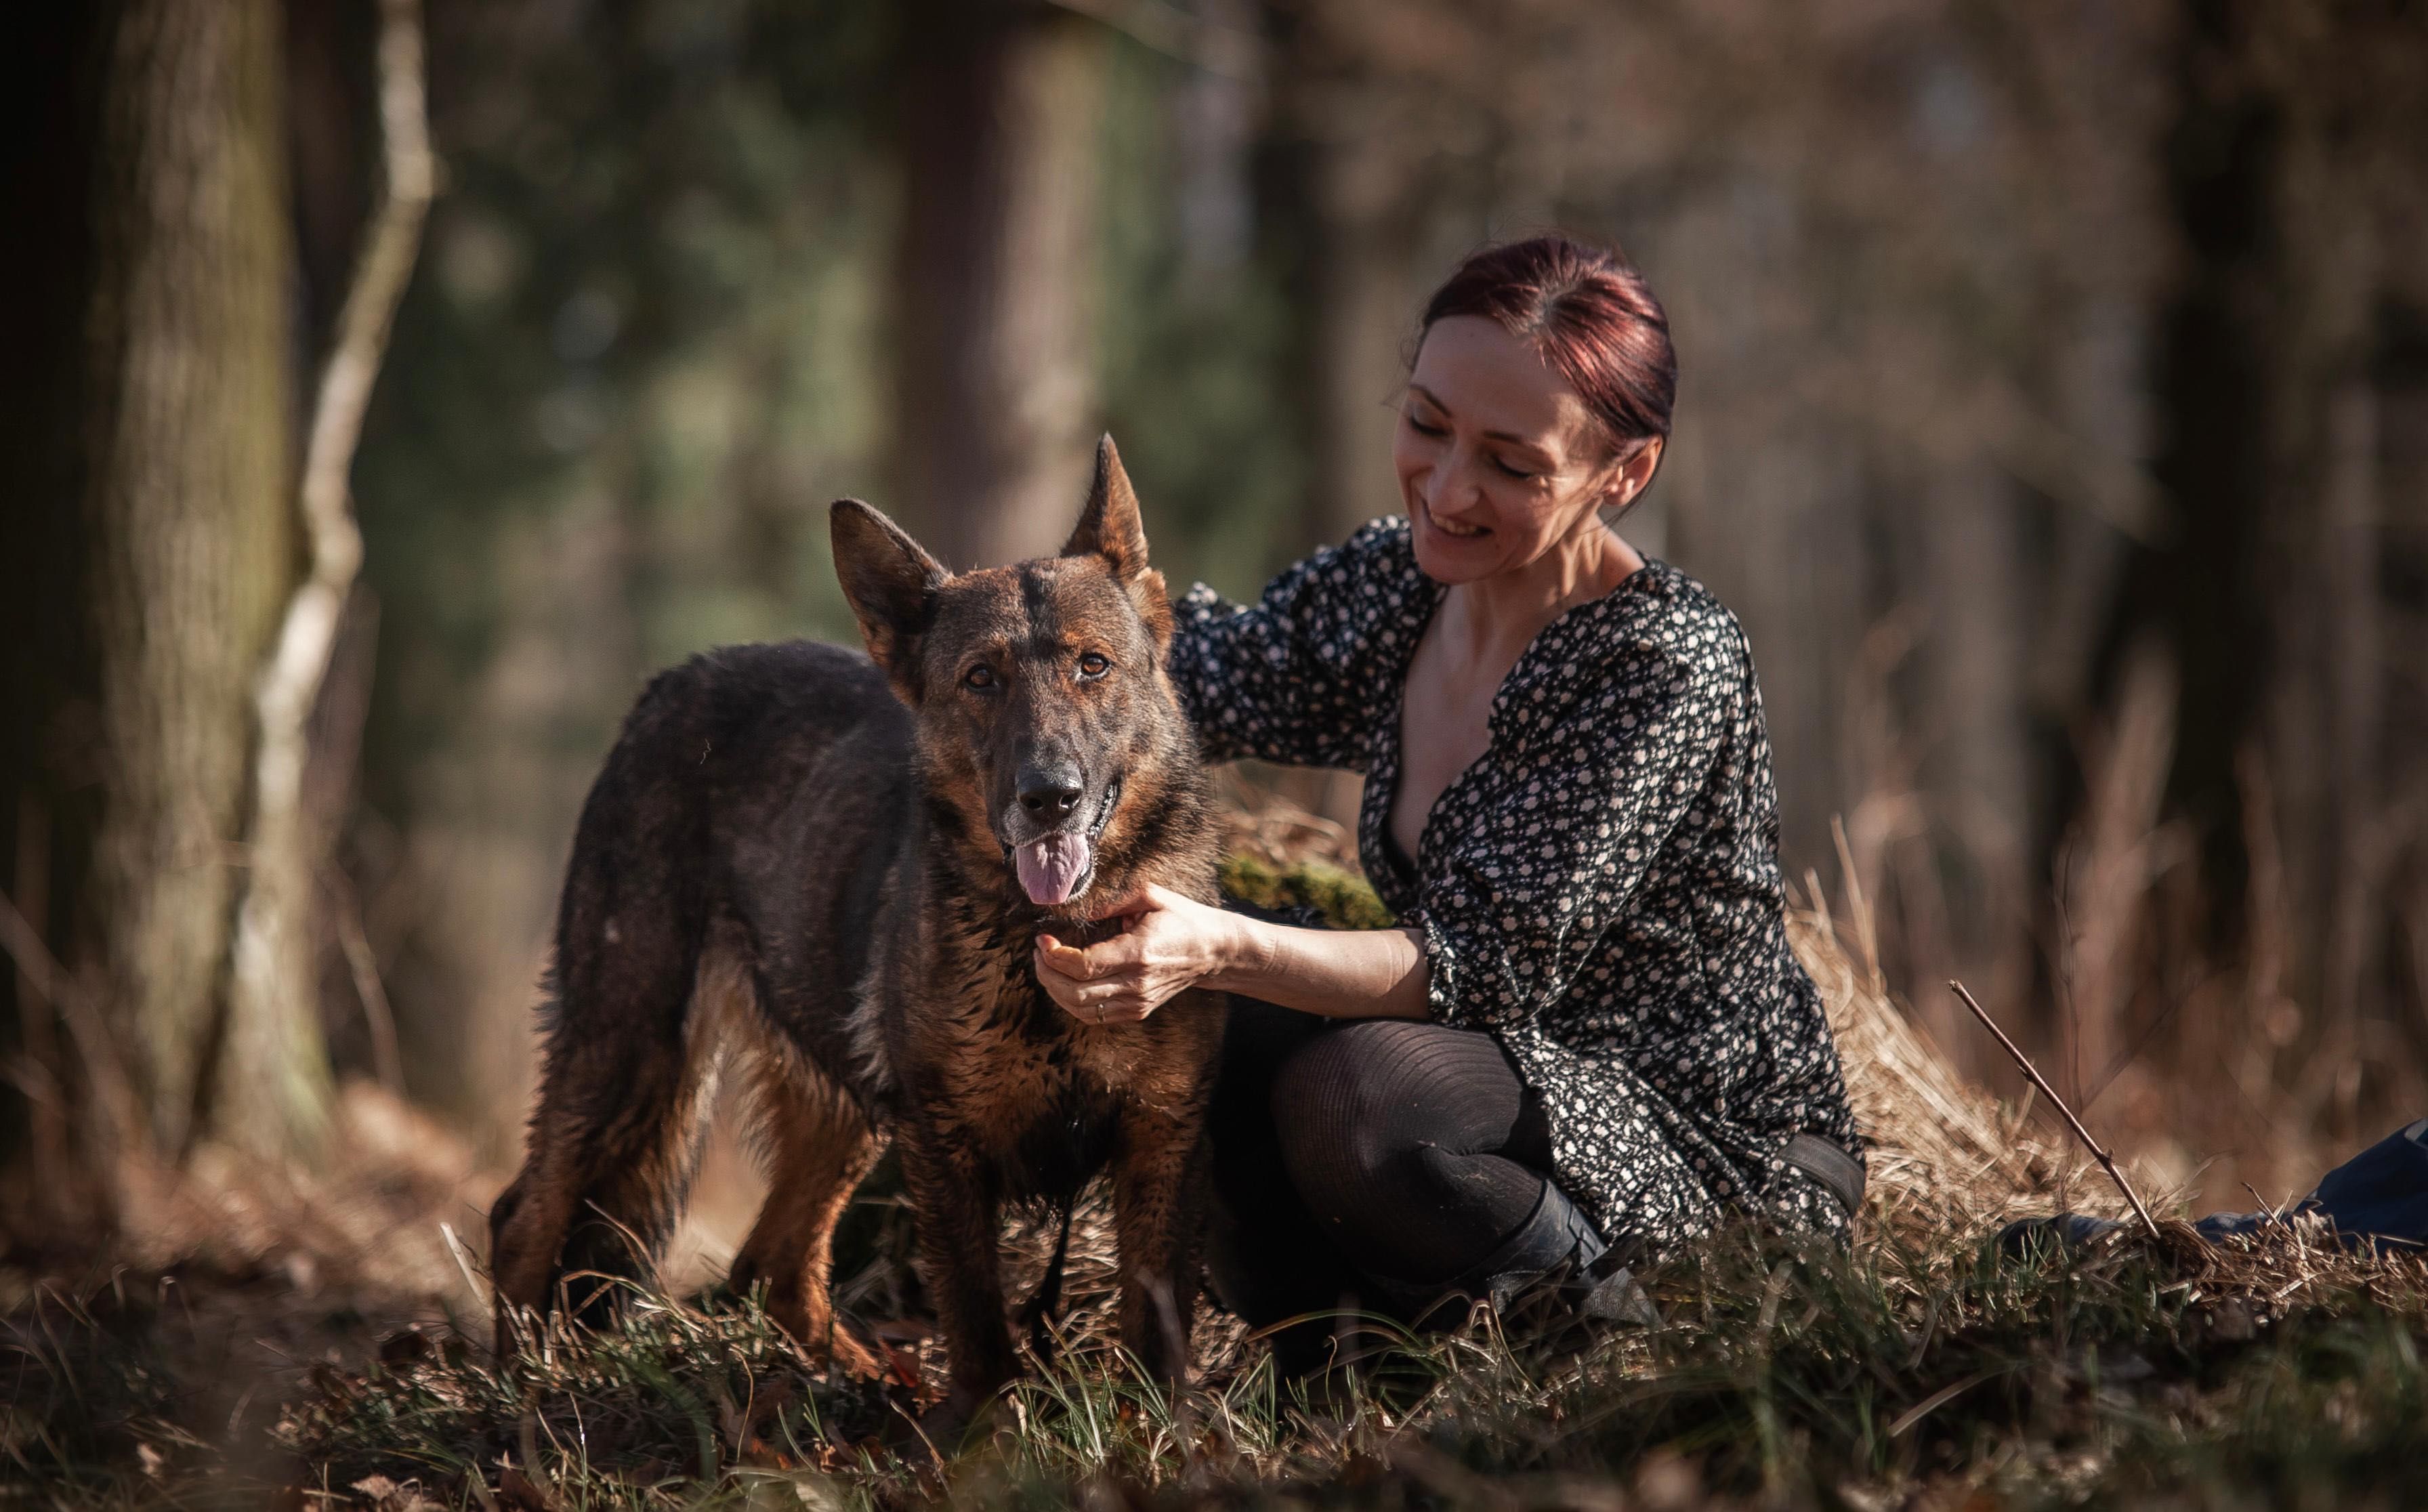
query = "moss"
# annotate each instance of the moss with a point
(1345, 901)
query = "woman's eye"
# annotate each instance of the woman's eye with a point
(1422, 428)
(981, 678)
(1092, 665)
(1518, 473)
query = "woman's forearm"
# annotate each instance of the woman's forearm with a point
(1334, 973)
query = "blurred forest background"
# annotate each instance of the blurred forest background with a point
(2054, 413)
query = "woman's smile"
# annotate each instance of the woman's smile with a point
(1456, 530)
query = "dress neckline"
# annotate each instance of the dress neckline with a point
(1383, 775)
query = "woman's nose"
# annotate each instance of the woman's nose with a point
(1457, 484)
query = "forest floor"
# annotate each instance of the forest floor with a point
(324, 1344)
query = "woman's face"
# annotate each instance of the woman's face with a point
(1498, 459)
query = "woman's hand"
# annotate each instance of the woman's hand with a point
(1168, 945)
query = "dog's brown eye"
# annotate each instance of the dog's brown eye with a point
(978, 677)
(1092, 664)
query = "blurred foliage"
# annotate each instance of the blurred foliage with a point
(1199, 360)
(641, 337)
(652, 312)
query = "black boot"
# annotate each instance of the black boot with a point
(1556, 1245)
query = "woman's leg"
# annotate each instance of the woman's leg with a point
(1417, 1148)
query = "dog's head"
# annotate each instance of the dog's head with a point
(1049, 737)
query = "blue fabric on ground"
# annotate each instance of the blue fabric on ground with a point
(2382, 1192)
(2379, 1196)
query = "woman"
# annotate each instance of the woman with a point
(1587, 1037)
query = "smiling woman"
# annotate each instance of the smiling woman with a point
(1569, 806)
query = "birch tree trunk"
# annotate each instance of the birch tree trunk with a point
(187, 503)
(274, 1039)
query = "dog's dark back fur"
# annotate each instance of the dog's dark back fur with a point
(796, 860)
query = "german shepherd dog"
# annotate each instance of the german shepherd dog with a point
(833, 871)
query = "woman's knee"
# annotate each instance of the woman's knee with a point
(1371, 1110)
(1389, 1130)
(1334, 1086)
(1401, 1068)
(1325, 1103)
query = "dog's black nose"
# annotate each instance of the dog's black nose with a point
(1049, 792)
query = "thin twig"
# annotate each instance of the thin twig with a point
(38, 970)
(42, 972)
(2107, 1161)
(1942, 1397)
(346, 907)
(464, 1263)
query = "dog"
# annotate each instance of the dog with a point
(830, 869)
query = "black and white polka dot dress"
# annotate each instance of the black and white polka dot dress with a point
(1600, 890)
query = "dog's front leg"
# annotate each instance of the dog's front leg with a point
(1159, 1177)
(952, 1193)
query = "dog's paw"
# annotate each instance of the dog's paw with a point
(847, 1352)
(827, 1343)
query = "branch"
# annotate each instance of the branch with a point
(364, 962)
(278, 883)
(292, 682)
(2107, 1161)
(121, 1125)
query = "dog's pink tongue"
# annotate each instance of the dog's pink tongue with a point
(1049, 868)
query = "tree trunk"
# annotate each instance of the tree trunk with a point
(188, 503)
(2324, 723)
(995, 350)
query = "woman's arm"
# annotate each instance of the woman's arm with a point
(1509, 914)
(1280, 679)
(1170, 944)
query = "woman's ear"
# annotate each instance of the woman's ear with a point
(1631, 475)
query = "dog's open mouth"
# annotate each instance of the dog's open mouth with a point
(1055, 868)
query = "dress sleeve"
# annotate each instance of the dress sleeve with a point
(1516, 907)
(1280, 679)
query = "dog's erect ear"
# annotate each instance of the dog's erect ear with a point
(890, 583)
(1109, 528)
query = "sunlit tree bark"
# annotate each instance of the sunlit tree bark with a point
(188, 509)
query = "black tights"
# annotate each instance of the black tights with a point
(1367, 1148)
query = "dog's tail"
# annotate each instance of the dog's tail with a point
(1045, 1308)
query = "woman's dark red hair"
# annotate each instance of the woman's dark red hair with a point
(1588, 314)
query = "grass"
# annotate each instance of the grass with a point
(1897, 1373)
(1921, 1368)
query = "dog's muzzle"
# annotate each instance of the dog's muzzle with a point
(1055, 868)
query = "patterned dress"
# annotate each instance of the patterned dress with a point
(1600, 890)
